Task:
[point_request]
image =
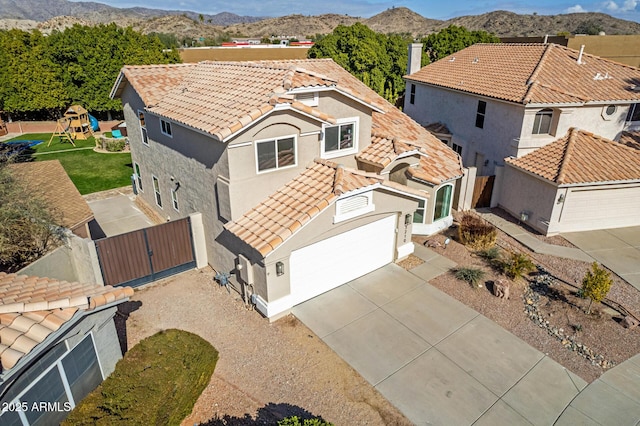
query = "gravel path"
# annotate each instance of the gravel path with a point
(265, 371)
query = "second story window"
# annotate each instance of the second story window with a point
(340, 139)
(165, 127)
(143, 128)
(156, 190)
(634, 112)
(542, 122)
(482, 109)
(412, 94)
(276, 153)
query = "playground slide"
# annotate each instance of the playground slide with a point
(94, 123)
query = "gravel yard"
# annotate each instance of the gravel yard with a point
(599, 336)
(266, 371)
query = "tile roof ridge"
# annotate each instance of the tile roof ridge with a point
(564, 92)
(532, 80)
(568, 150)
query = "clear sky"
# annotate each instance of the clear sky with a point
(434, 9)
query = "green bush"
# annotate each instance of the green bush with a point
(475, 233)
(156, 383)
(490, 254)
(115, 145)
(295, 421)
(596, 284)
(517, 265)
(471, 275)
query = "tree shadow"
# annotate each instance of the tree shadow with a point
(120, 319)
(270, 414)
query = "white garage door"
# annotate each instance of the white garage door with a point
(588, 209)
(329, 263)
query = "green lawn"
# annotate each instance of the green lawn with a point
(90, 171)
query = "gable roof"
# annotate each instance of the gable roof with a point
(532, 73)
(32, 308)
(581, 157)
(50, 180)
(277, 218)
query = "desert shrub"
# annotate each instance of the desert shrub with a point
(295, 421)
(490, 254)
(156, 383)
(516, 265)
(596, 284)
(471, 275)
(114, 145)
(475, 233)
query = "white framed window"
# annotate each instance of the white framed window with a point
(136, 170)
(340, 139)
(634, 113)
(412, 94)
(420, 213)
(480, 114)
(165, 128)
(274, 154)
(542, 122)
(156, 189)
(174, 199)
(143, 128)
(443, 202)
(353, 206)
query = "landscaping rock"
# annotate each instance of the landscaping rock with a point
(501, 289)
(629, 322)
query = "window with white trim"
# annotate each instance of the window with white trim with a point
(276, 154)
(174, 198)
(634, 113)
(542, 122)
(482, 109)
(156, 189)
(341, 139)
(143, 128)
(443, 203)
(165, 128)
(136, 168)
(419, 214)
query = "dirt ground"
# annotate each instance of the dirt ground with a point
(551, 318)
(266, 371)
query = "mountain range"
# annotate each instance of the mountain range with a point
(48, 15)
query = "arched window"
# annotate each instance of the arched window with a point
(443, 203)
(542, 122)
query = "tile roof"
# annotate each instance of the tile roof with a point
(438, 127)
(532, 73)
(631, 139)
(581, 157)
(31, 308)
(50, 180)
(277, 218)
(221, 98)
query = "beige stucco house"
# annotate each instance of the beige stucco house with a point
(579, 182)
(506, 100)
(305, 177)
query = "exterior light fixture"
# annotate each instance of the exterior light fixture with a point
(279, 268)
(407, 219)
(561, 199)
(524, 216)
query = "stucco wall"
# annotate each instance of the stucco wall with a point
(495, 141)
(521, 192)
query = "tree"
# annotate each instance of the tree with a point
(28, 228)
(596, 284)
(589, 27)
(376, 59)
(452, 39)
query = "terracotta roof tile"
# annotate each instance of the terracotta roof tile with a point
(631, 139)
(532, 73)
(49, 179)
(582, 157)
(30, 310)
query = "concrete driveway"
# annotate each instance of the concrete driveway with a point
(617, 249)
(116, 213)
(437, 360)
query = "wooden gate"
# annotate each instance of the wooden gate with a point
(146, 255)
(482, 191)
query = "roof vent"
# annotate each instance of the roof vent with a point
(453, 58)
(476, 60)
(580, 54)
(599, 76)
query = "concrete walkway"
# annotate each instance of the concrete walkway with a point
(117, 215)
(439, 361)
(531, 242)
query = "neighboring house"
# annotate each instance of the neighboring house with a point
(305, 177)
(49, 180)
(58, 341)
(507, 100)
(579, 182)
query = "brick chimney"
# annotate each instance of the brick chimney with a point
(415, 56)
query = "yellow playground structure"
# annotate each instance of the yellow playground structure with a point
(74, 125)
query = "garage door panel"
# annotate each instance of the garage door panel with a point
(601, 209)
(334, 261)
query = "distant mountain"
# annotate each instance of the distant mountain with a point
(58, 14)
